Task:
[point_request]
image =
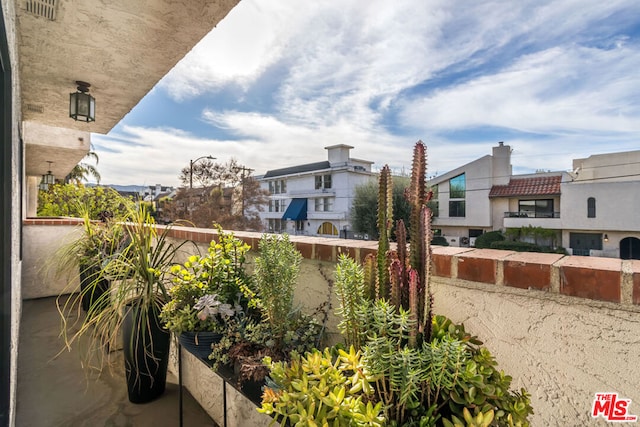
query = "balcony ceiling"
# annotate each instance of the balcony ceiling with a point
(121, 47)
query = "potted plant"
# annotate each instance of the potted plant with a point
(84, 256)
(274, 326)
(138, 274)
(206, 296)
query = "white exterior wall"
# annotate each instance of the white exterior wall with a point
(617, 206)
(346, 174)
(478, 211)
(302, 186)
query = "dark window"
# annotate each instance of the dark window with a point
(457, 208)
(323, 181)
(475, 232)
(457, 187)
(536, 208)
(327, 181)
(591, 207)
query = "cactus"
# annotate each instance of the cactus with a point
(403, 280)
(385, 221)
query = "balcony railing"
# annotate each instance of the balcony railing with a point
(522, 214)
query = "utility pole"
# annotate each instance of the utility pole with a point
(244, 171)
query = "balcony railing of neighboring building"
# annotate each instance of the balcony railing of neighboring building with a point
(532, 214)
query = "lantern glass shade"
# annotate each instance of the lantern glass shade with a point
(82, 107)
(44, 186)
(49, 178)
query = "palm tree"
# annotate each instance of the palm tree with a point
(82, 170)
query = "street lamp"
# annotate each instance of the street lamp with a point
(191, 162)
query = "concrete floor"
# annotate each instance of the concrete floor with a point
(53, 390)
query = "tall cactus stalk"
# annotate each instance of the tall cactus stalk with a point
(417, 199)
(404, 279)
(401, 239)
(385, 221)
(426, 311)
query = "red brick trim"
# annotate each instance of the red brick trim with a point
(584, 277)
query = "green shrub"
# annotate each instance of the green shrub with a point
(439, 241)
(507, 245)
(485, 240)
(77, 200)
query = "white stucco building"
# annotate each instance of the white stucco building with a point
(593, 208)
(315, 198)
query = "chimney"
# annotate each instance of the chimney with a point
(338, 154)
(501, 164)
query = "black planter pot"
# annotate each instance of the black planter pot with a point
(92, 286)
(146, 355)
(199, 343)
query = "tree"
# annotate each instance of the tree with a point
(226, 195)
(365, 206)
(207, 173)
(74, 200)
(82, 170)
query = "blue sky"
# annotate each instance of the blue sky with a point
(275, 82)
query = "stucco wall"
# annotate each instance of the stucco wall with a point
(561, 349)
(40, 270)
(9, 13)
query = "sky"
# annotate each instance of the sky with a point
(278, 80)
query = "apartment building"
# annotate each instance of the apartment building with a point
(592, 208)
(315, 198)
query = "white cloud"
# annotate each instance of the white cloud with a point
(549, 68)
(561, 91)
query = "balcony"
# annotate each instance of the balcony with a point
(550, 220)
(468, 283)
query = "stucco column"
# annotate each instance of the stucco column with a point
(32, 195)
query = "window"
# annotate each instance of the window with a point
(457, 187)
(299, 225)
(457, 190)
(324, 204)
(276, 226)
(457, 208)
(591, 207)
(278, 187)
(323, 182)
(278, 205)
(328, 228)
(536, 208)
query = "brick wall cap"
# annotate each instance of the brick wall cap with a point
(449, 250)
(535, 258)
(593, 263)
(487, 254)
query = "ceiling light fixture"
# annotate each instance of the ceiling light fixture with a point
(82, 106)
(47, 179)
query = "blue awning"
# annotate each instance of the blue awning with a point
(297, 210)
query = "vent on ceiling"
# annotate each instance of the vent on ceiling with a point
(44, 8)
(35, 108)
